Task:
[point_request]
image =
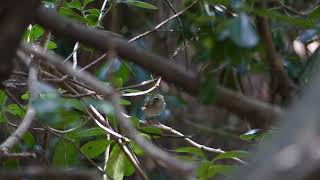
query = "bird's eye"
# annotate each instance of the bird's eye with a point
(156, 99)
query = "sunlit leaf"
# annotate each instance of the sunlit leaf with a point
(25, 96)
(52, 45)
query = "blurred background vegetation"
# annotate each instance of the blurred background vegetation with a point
(215, 38)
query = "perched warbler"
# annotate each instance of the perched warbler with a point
(154, 105)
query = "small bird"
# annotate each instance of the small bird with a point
(154, 105)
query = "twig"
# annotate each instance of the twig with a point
(162, 23)
(182, 33)
(137, 85)
(143, 92)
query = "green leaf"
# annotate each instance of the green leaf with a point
(140, 4)
(315, 14)
(25, 96)
(65, 154)
(2, 97)
(89, 132)
(36, 32)
(58, 112)
(14, 109)
(137, 150)
(222, 169)
(135, 121)
(94, 11)
(2, 110)
(91, 20)
(242, 33)
(123, 73)
(2, 117)
(124, 102)
(128, 167)
(250, 135)
(52, 45)
(29, 140)
(74, 4)
(203, 171)
(192, 150)
(117, 82)
(71, 14)
(232, 154)
(116, 163)
(94, 148)
(11, 164)
(151, 130)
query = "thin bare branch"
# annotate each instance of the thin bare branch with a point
(139, 93)
(162, 23)
(181, 32)
(190, 141)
